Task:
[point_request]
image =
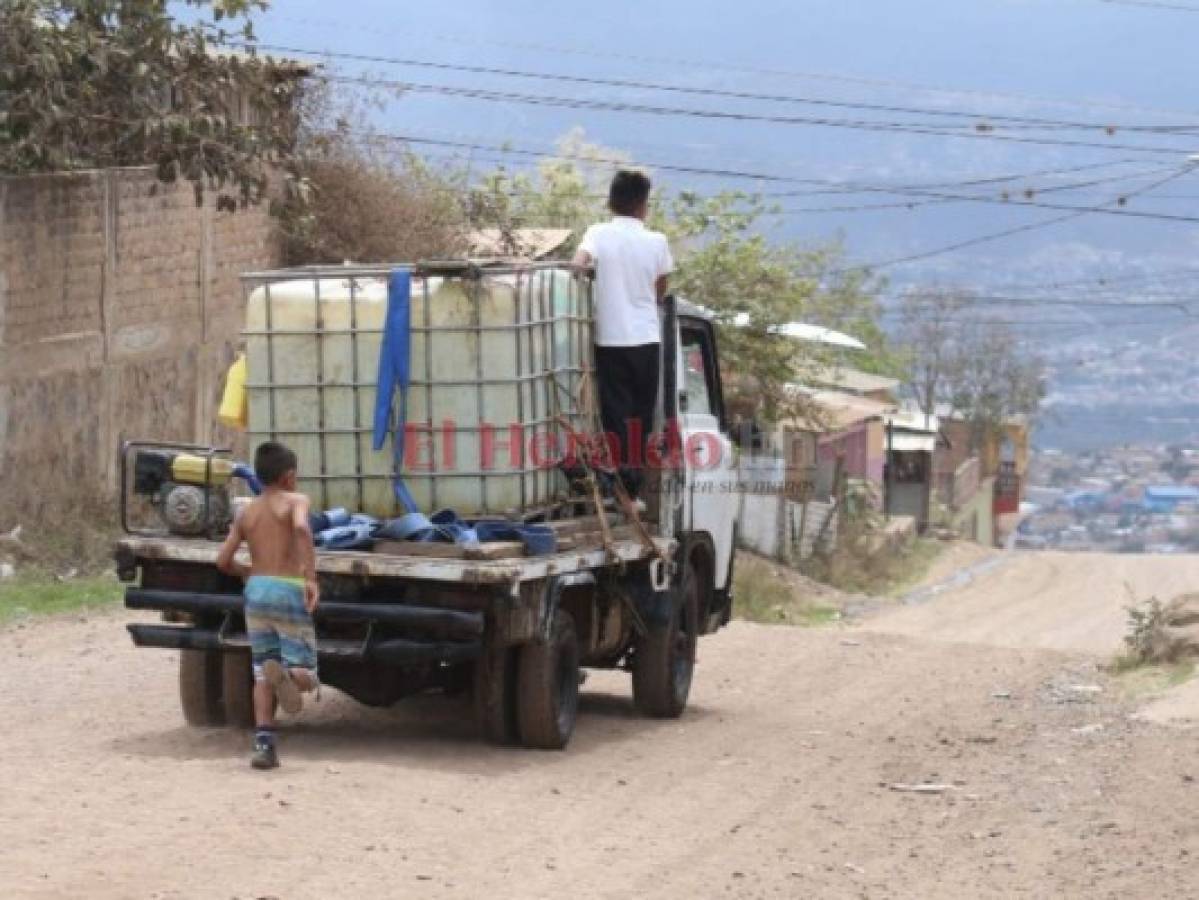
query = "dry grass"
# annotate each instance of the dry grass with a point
(768, 593)
(1140, 679)
(888, 571)
(61, 544)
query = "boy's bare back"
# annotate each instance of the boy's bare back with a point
(270, 525)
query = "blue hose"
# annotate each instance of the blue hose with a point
(246, 474)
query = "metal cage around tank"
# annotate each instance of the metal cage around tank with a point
(504, 348)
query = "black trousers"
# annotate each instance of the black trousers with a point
(628, 394)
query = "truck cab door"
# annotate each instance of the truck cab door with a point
(710, 489)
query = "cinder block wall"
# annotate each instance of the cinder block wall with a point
(120, 309)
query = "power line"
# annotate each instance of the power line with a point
(915, 204)
(773, 178)
(711, 65)
(835, 187)
(498, 158)
(1060, 323)
(1007, 232)
(977, 116)
(772, 212)
(1105, 280)
(578, 103)
(974, 301)
(979, 181)
(984, 181)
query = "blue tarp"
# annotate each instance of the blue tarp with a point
(394, 374)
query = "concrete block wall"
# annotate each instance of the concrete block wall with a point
(120, 309)
(771, 524)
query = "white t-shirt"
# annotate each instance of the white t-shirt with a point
(629, 259)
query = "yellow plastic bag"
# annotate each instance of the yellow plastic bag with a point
(234, 408)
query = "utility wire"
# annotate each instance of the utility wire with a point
(766, 177)
(772, 212)
(1008, 232)
(579, 103)
(501, 150)
(1105, 280)
(973, 301)
(711, 65)
(975, 116)
(974, 182)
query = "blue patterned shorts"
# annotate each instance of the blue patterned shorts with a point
(279, 626)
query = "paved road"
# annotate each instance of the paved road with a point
(776, 783)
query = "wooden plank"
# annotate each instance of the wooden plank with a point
(442, 550)
(496, 550)
(564, 527)
(380, 565)
(434, 549)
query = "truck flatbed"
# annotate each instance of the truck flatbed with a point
(625, 548)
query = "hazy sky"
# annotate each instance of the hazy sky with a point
(1075, 60)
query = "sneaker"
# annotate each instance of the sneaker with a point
(285, 689)
(264, 755)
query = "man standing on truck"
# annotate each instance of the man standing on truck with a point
(281, 593)
(632, 269)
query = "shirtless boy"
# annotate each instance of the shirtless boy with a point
(281, 593)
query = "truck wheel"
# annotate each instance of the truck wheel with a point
(200, 687)
(548, 687)
(664, 659)
(495, 694)
(238, 688)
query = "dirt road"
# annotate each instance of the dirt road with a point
(1058, 601)
(776, 783)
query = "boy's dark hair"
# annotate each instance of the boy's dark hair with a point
(272, 461)
(629, 192)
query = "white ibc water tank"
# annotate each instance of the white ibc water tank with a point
(494, 349)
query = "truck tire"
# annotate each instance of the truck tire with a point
(664, 659)
(548, 687)
(237, 690)
(200, 687)
(495, 695)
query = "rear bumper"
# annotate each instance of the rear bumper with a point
(393, 651)
(407, 634)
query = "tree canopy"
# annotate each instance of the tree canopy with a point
(104, 83)
(960, 359)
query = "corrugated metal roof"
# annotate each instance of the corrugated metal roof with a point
(853, 381)
(839, 410)
(1171, 492)
(526, 243)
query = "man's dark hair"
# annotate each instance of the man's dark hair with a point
(629, 192)
(272, 461)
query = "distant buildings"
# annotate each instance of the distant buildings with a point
(1168, 498)
(1127, 499)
